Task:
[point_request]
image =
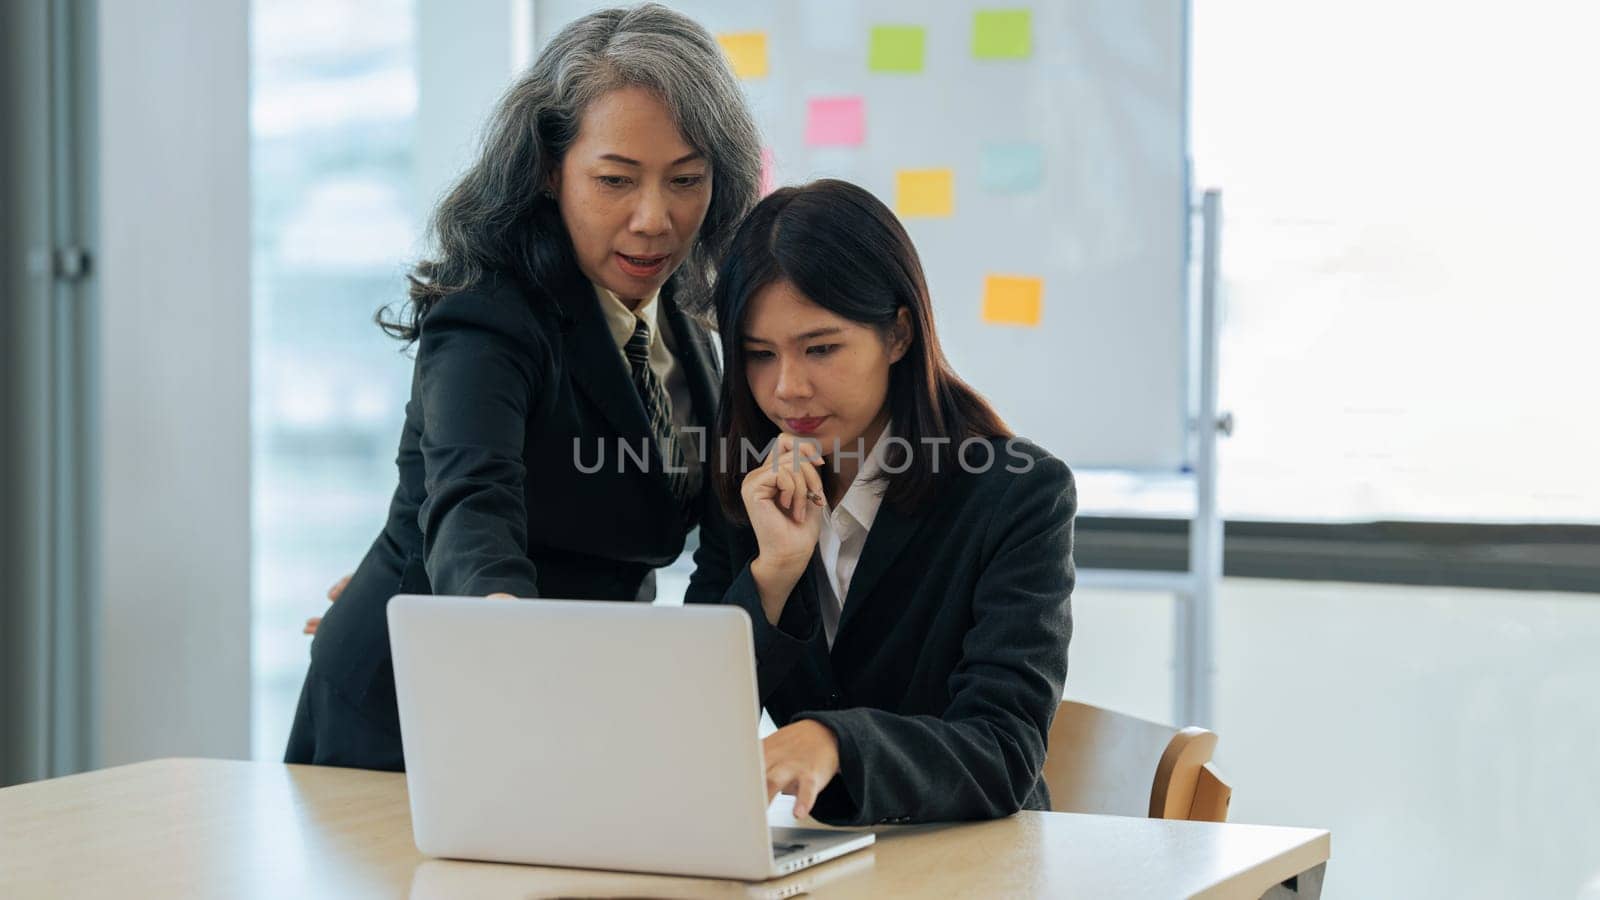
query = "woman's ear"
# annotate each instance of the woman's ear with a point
(552, 184)
(900, 335)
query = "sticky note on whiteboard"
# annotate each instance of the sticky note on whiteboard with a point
(1002, 34)
(747, 52)
(835, 121)
(925, 192)
(896, 49)
(1011, 168)
(1012, 300)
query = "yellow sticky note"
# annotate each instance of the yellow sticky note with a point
(1012, 300)
(925, 192)
(747, 51)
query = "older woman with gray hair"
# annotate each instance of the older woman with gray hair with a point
(562, 365)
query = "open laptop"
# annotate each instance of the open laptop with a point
(589, 734)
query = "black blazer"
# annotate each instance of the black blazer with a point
(508, 385)
(951, 649)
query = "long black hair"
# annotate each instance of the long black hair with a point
(501, 219)
(845, 251)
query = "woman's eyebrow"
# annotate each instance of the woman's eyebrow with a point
(818, 332)
(619, 158)
(806, 336)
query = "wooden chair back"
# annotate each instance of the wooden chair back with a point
(1101, 761)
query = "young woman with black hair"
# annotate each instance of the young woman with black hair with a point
(905, 560)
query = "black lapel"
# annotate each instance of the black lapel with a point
(597, 365)
(890, 532)
(692, 344)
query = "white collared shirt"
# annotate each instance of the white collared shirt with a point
(844, 533)
(621, 321)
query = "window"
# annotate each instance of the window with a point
(335, 219)
(1409, 317)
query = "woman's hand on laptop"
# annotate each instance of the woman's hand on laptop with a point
(801, 757)
(783, 498)
(333, 594)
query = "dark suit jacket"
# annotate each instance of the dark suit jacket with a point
(514, 393)
(951, 649)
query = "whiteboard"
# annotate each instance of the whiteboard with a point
(1101, 377)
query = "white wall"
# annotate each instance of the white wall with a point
(467, 53)
(173, 271)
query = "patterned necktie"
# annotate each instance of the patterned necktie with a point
(685, 485)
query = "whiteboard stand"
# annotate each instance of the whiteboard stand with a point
(1193, 666)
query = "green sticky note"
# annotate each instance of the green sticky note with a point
(896, 48)
(1002, 34)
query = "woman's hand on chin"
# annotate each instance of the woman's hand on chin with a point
(784, 499)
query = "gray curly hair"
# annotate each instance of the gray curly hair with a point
(498, 219)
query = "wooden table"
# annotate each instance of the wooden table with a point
(216, 828)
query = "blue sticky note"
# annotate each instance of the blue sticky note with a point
(1011, 168)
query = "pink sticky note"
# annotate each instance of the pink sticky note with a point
(835, 121)
(767, 164)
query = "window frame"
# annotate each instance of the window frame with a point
(1562, 558)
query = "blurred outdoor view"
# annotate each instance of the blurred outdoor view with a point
(336, 219)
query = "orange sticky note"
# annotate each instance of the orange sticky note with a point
(1012, 300)
(925, 192)
(747, 52)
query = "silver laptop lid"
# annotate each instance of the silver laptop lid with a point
(582, 733)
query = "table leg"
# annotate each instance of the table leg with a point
(1305, 886)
